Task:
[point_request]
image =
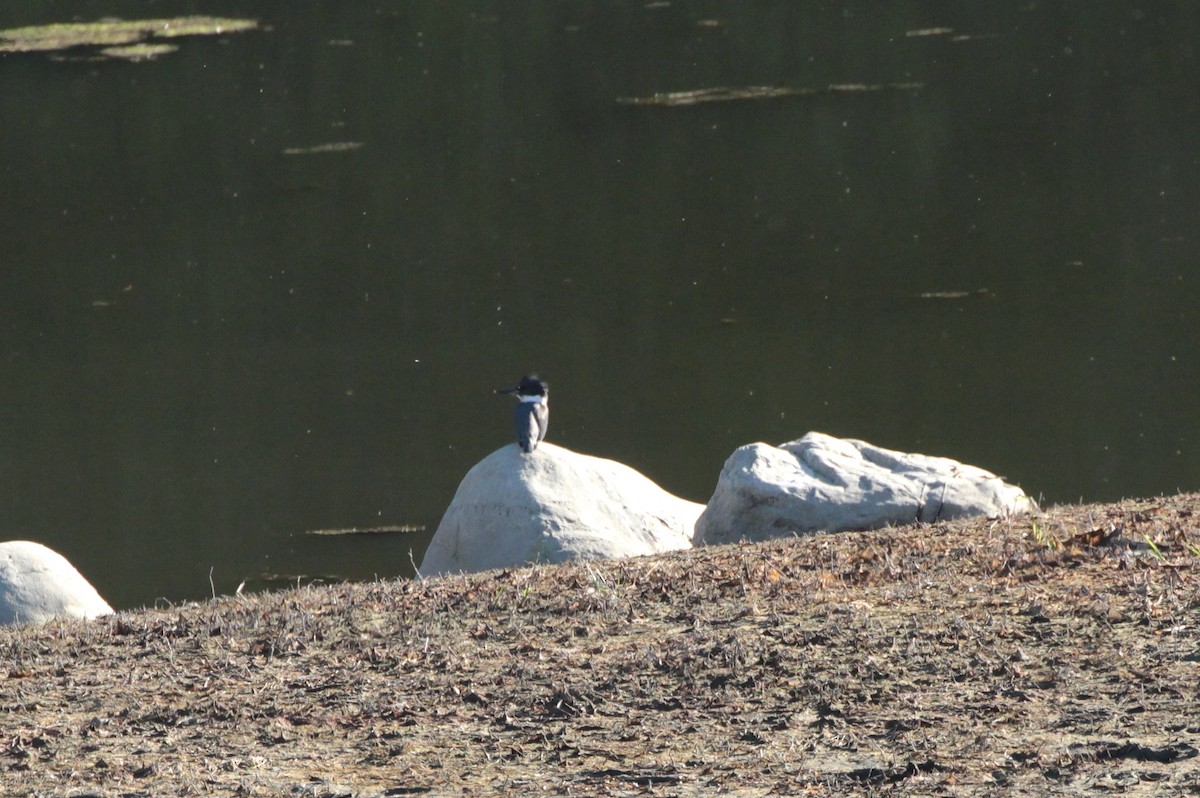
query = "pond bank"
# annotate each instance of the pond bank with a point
(1047, 655)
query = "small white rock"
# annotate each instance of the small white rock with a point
(554, 505)
(38, 584)
(820, 483)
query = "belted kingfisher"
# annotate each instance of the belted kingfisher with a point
(532, 415)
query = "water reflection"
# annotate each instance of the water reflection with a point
(223, 329)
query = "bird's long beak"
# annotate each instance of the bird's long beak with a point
(507, 390)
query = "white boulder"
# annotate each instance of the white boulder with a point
(38, 584)
(824, 484)
(555, 505)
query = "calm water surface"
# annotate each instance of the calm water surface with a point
(212, 344)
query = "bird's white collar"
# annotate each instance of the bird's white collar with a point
(534, 400)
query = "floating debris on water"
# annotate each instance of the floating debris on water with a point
(911, 86)
(108, 302)
(962, 37)
(373, 530)
(978, 292)
(927, 32)
(200, 26)
(117, 38)
(714, 95)
(139, 52)
(333, 146)
(671, 99)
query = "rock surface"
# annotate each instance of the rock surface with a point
(555, 505)
(820, 483)
(38, 584)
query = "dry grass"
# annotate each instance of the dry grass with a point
(1048, 656)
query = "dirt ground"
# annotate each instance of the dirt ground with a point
(1055, 655)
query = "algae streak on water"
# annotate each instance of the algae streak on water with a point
(114, 32)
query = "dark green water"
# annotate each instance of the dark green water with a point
(210, 346)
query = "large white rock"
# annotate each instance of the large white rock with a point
(554, 505)
(38, 583)
(825, 484)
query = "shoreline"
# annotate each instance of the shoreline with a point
(1048, 654)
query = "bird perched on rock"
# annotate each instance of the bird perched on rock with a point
(532, 415)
